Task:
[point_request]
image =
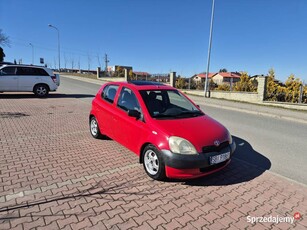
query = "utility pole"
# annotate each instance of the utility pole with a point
(106, 60)
(59, 52)
(209, 48)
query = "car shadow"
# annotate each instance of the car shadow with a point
(245, 152)
(51, 95)
(246, 165)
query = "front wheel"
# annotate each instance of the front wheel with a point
(153, 163)
(94, 128)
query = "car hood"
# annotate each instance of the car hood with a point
(200, 131)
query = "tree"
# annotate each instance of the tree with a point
(286, 93)
(293, 89)
(245, 84)
(304, 94)
(212, 84)
(224, 87)
(119, 72)
(223, 70)
(4, 41)
(89, 60)
(65, 61)
(131, 75)
(72, 60)
(272, 86)
(2, 54)
(180, 83)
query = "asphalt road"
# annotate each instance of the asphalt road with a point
(270, 143)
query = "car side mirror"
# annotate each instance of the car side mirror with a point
(134, 113)
(198, 106)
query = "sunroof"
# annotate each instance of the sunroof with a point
(145, 83)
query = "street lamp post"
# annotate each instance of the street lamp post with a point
(59, 53)
(32, 52)
(209, 48)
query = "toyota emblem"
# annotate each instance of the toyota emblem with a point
(216, 143)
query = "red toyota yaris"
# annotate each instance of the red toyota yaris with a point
(170, 134)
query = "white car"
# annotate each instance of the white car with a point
(28, 78)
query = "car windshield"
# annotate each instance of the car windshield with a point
(168, 104)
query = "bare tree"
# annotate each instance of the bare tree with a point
(4, 40)
(98, 60)
(65, 60)
(72, 60)
(55, 63)
(79, 65)
(89, 60)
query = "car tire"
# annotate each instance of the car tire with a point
(41, 90)
(153, 163)
(94, 128)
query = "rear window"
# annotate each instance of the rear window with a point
(109, 93)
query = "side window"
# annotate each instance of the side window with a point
(8, 71)
(128, 101)
(109, 93)
(25, 71)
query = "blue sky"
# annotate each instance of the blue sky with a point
(159, 36)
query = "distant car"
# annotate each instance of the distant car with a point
(24, 78)
(170, 134)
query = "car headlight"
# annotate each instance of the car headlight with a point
(181, 146)
(230, 138)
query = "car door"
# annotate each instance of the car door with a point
(105, 109)
(8, 79)
(27, 78)
(129, 131)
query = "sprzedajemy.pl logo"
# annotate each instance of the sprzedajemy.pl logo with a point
(270, 219)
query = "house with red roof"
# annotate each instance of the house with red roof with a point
(226, 77)
(201, 77)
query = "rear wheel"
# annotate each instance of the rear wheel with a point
(94, 128)
(41, 90)
(153, 163)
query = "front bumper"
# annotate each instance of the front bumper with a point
(191, 166)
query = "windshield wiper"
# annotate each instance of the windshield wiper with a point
(194, 113)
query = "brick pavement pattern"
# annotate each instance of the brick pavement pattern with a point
(54, 175)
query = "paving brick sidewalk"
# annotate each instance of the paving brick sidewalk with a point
(54, 175)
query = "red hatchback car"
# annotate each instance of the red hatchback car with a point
(171, 135)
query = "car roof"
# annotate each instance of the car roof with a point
(21, 65)
(144, 85)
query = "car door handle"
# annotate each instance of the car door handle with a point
(15, 78)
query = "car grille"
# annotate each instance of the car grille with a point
(213, 148)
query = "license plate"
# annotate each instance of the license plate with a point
(219, 158)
